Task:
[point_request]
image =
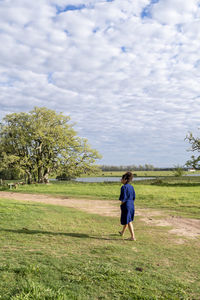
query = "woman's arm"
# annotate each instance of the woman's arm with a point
(122, 195)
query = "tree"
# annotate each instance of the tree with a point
(178, 171)
(194, 162)
(41, 142)
(9, 174)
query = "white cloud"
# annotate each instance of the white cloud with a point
(174, 11)
(129, 79)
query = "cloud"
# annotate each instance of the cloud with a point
(174, 11)
(127, 72)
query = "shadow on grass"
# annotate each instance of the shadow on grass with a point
(70, 234)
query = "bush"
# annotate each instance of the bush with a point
(157, 182)
(178, 171)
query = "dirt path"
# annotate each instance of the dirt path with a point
(180, 226)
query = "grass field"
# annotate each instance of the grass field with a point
(50, 252)
(138, 173)
(58, 253)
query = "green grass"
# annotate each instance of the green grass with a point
(138, 173)
(50, 252)
(177, 194)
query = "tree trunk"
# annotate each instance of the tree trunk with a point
(29, 177)
(40, 177)
(46, 176)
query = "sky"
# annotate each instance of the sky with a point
(127, 72)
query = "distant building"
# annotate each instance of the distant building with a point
(191, 170)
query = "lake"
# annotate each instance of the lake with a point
(108, 179)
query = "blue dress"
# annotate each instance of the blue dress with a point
(127, 196)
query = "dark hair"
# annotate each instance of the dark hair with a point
(128, 176)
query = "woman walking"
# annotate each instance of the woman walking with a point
(127, 197)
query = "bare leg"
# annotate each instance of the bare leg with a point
(130, 227)
(123, 230)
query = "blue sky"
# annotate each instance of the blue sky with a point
(127, 72)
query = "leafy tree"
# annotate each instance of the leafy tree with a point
(10, 174)
(178, 171)
(194, 162)
(41, 142)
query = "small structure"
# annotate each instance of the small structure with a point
(12, 185)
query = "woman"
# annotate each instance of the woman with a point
(127, 197)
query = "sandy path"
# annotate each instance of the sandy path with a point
(103, 208)
(179, 226)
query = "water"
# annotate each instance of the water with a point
(108, 179)
(192, 175)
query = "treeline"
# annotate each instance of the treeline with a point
(146, 167)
